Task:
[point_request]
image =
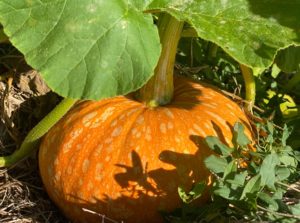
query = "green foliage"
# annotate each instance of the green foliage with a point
(84, 49)
(112, 47)
(250, 185)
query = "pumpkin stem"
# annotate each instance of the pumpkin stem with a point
(159, 89)
(249, 85)
(31, 140)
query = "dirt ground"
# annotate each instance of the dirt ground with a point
(24, 100)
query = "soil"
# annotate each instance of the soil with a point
(24, 100)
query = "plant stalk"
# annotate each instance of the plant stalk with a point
(32, 139)
(249, 85)
(159, 89)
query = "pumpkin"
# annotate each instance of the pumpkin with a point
(123, 160)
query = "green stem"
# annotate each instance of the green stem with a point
(249, 85)
(212, 51)
(159, 89)
(293, 81)
(31, 140)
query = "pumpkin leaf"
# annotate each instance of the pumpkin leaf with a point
(109, 48)
(217, 146)
(288, 59)
(250, 31)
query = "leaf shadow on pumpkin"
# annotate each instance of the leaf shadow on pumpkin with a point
(156, 187)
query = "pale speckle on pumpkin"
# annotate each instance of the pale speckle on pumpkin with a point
(177, 139)
(137, 148)
(163, 128)
(140, 120)
(98, 150)
(67, 146)
(199, 129)
(108, 140)
(87, 118)
(109, 149)
(169, 113)
(96, 123)
(134, 131)
(80, 182)
(99, 167)
(186, 151)
(138, 134)
(93, 200)
(85, 165)
(117, 131)
(207, 125)
(75, 133)
(122, 117)
(107, 113)
(90, 185)
(170, 125)
(57, 175)
(230, 106)
(209, 105)
(131, 111)
(192, 132)
(56, 161)
(232, 113)
(207, 97)
(107, 158)
(148, 134)
(99, 176)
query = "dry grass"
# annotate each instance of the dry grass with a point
(23, 97)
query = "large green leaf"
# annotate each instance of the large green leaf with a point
(251, 31)
(84, 49)
(288, 59)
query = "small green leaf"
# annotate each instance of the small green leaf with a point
(252, 187)
(288, 161)
(238, 180)
(268, 200)
(195, 193)
(282, 173)
(215, 164)
(239, 137)
(267, 170)
(295, 209)
(230, 168)
(216, 145)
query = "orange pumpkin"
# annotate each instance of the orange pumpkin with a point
(123, 160)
